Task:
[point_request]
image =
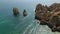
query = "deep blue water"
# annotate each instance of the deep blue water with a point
(9, 24)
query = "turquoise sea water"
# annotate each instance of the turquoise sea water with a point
(9, 24)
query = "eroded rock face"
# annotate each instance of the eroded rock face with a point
(25, 12)
(49, 15)
(54, 6)
(15, 11)
(39, 7)
(41, 13)
(55, 19)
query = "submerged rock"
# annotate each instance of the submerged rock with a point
(25, 12)
(15, 11)
(49, 17)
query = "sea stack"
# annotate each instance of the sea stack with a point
(15, 11)
(25, 12)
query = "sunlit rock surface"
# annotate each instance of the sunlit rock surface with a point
(54, 6)
(15, 11)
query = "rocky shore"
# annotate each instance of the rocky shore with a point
(49, 15)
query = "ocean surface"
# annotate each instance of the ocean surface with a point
(9, 24)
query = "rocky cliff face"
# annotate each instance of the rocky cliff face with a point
(54, 19)
(49, 15)
(54, 6)
(15, 11)
(41, 12)
(39, 7)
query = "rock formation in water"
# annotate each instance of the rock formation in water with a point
(15, 11)
(49, 15)
(25, 12)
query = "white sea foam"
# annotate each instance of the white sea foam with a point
(27, 28)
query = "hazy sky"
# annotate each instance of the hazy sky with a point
(25, 3)
(44, 2)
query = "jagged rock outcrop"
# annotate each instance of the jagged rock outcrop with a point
(37, 11)
(53, 6)
(24, 12)
(39, 7)
(49, 15)
(41, 13)
(15, 11)
(54, 19)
